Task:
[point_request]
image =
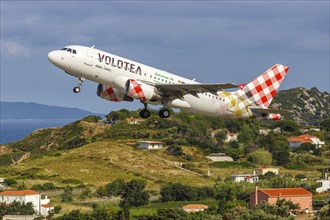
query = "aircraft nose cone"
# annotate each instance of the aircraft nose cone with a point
(53, 57)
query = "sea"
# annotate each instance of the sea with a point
(12, 130)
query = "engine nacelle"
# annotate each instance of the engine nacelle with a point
(142, 91)
(112, 94)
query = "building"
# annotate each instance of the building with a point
(150, 145)
(305, 138)
(135, 121)
(263, 171)
(325, 186)
(250, 178)
(40, 204)
(297, 195)
(194, 208)
(219, 157)
(231, 137)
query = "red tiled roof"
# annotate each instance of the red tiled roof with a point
(231, 134)
(305, 138)
(195, 206)
(19, 192)
(285, 192)
(47, 206)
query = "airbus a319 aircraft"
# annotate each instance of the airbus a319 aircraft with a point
(121, 79)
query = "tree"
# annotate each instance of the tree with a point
(10, 182)
(86, 193)
(281, 153)
(112, 116)
(57, 209)
(260, 156)
(115, 188)
(176, 192)
(175, 150)
(325, 124)
(16, 208)
(67, 195)
(220, 136)
(133, 194)
(288, 125)
(246, 135)
(74, 215)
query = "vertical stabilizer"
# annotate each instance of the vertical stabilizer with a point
(262, 90)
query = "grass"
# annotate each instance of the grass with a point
(105, 161)
(234, 164)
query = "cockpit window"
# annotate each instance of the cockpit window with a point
(69, 50)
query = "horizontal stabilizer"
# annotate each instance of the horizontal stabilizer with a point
(270, 111)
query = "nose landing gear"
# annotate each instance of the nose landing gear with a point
(145, 113)
(80, 82)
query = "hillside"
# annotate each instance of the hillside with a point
(309, 107)
(24, 110)
(101, 162)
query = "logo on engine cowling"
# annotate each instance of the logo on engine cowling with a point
(120, 64)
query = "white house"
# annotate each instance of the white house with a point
(150, 145)
(305, 138)
(263, 171)
(135, 121)
(325, 186)
(26, 196)
(250, 178)
(231, 137)
(194, 208)
(219, 157)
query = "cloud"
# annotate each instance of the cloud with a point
(11, 50)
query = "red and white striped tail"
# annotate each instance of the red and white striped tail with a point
(262, 90)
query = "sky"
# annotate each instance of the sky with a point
(212, 41)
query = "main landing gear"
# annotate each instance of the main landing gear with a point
(80, 82)
(163, 113)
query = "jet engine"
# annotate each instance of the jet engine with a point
(112, 94)
(142, 91)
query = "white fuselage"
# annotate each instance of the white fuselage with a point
(106, 68)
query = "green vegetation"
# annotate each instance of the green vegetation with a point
(98, 168)
(180, 192)
(16, 208)
(234, 164)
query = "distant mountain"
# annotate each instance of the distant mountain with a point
(309, 106)
(24, 110)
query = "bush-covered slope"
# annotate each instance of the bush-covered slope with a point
(309, 107)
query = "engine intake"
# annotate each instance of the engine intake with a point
(112, 94)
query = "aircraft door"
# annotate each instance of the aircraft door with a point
(89, 57)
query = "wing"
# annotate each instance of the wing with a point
(183, 89)
(270, 111)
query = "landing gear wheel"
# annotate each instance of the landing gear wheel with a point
(164, 113)
(76, 89)
(144, 113)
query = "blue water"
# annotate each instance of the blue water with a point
(12, 130)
